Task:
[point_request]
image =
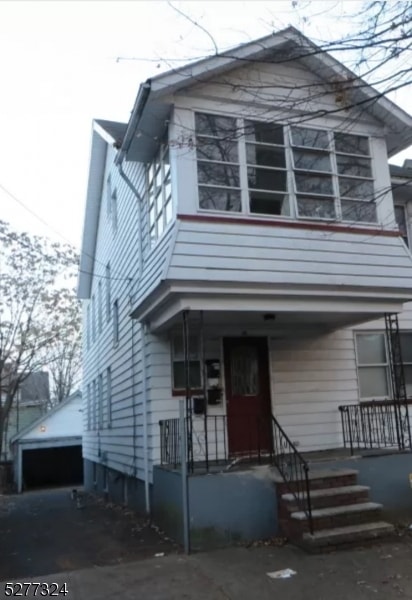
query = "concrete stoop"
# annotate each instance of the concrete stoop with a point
(342, 514)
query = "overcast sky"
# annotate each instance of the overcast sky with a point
(60, 68)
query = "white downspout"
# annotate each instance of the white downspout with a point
(132, 187)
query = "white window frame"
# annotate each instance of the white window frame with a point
(179, 358)
(159, 194)
(291, 191)
(385, 365)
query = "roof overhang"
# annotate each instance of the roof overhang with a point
(153, 104)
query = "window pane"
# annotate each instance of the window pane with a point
(311, 138)
(320, 208)
(179, 377)
(267, 133)
(355, 188)
(160, 225)
(408, 380)
(217, 149)
(371, 348)
(263, 155)
(312, 161)
(178, 347)
(218, 199)
(406, 347)
(400, 217)
(358, 211)
(314, 184)
(214, 125)
(373, 382)
(351, 144)
(152, 216)
(244, 371)
(269, 204)
(217, 174)
(353, 165)
(168, 211)
(266, 179)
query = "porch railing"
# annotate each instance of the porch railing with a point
(293, 468)
(211, 445)
(376, 425)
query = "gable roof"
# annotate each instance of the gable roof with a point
(152, 107)
(34, 424)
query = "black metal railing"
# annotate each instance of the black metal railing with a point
(212, 444)
(293, 468)
(375, 425)
(248, 439)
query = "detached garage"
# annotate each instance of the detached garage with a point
(49, 451)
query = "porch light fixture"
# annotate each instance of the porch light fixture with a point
(269, 317)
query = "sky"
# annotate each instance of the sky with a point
(64, 63)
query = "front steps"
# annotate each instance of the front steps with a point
(342, 513)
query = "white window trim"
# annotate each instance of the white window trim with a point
(291, 191)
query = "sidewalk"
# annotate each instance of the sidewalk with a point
(382, 572)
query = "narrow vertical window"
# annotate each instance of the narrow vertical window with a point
(109, 396)
(99, 307)
(89, 408)
(88, 327)
(93, 317)
(116, 322)
(94, 418)
(114, 211)
(109, 196)
(402, 222)
(100, 410)
(108, 293)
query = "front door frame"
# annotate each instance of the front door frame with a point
(265, 400)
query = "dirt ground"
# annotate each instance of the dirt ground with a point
(45, 532)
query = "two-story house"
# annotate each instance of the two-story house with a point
(240, 252)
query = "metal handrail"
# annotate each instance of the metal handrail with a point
(293, 468)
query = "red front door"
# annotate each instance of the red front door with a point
(247, 396)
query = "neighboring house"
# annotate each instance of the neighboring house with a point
(49, 450)
(240, 251)
(31, 402)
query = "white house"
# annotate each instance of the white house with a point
(49, 450)
(240, 251)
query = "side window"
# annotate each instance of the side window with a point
(373, 366)
(178, 363)
(402, 222)
(116, 322)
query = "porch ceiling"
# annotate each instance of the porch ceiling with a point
(277, 316)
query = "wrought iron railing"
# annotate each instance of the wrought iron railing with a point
(293, 468)
(211, 443)
(247, 440)
(376, 425)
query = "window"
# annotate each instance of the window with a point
(88, 327)
(99, 306)
(373, 364)
(89, 408)
(109, 196)
(93, 317)
(109, 396)
(330, 172)
(402, 222)
(116, 322)
(94, 417)
(178, 363)
(217, 163)
(114, 211)
(159, 188)
(108, 293)
(100, 408)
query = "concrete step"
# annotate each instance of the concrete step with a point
(326, 497)
(346, 536)
(338, 516)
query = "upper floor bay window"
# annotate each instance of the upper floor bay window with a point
(159, 188)
(272, 169)
(402, 222)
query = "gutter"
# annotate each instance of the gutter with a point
(134, 122)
